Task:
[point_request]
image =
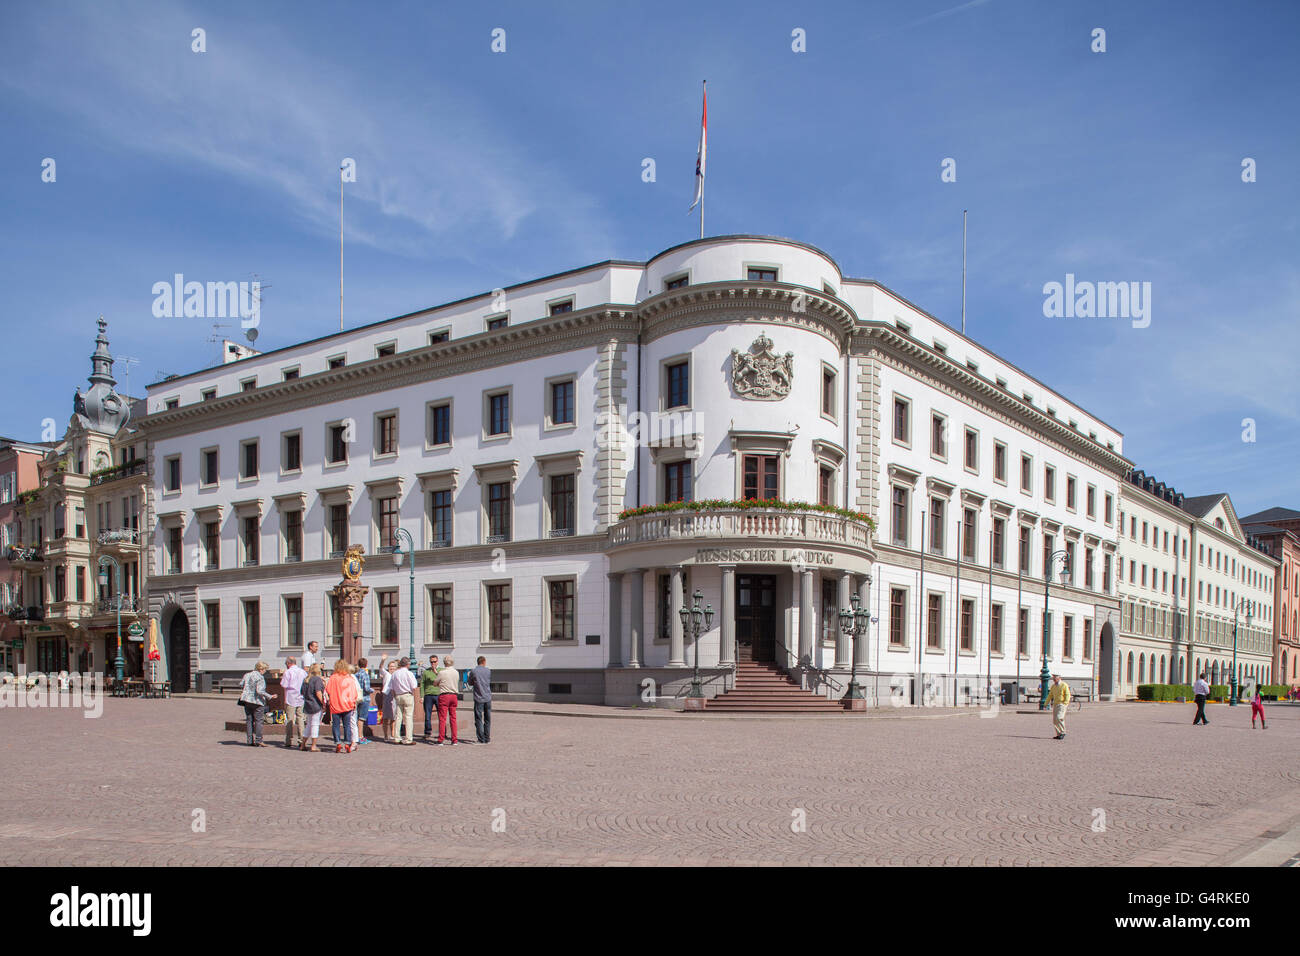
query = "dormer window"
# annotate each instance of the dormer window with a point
(677, 282)
(559, 308)
(761, 274)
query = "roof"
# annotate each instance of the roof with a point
(1200, 505)
(1271, 514)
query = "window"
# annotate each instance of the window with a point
(174, 549)
(172, 403)
(934, 621)
(1049, 545)
(337, 531)
(386, 434)
(293, 536)
(79, 573)
(1026, 474)
(336, 445)
(292, 622)
(289, 374)
(1049, 483)
(1090, 501)
(440, 424)
(252, 631)
(386, 521)
(999, 543)
(677, 385)
(437, 338)
(967, 624)
(1022, 632)
(938, 436)
(999, 462)
(972, 457)
(677, 282)
(335, 636)
(338, 361)
(498, 414)
(388, 633)
(208, 470)
(440, 615)
(902, 421)
(1067, 639)
(995, 629)
(248, 460)
(385, 350)
(249, 539)
(561, 610)
(826, 486)
(1110, 508)
(898, 516)
(211, 626)
(758, 274)
(497, 322)
(212, 545)
(248, 384)
(498, 601)
(1068, 570)
(1025, 532)
(1071, 501)
(498, 512)
(760, 477)
(828, 392)
(559, 308)
(968, 541)
(208, 395)
(440, 518)
(677, 481)
(897, 617)
(1087, 568)
(561, 405)
(562, 505)
(172, 474)
(291, 451)
(936, 525)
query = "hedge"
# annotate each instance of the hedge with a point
(1220, 692)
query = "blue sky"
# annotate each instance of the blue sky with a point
(478, 169)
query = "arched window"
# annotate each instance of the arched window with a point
(1180, 670)
(1129, 678)
(1162, 668)
(1142, 669)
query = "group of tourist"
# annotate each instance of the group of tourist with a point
(345, 697)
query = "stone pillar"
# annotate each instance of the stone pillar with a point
(636, 619)
(843, 642)
(727, 651)
(676, 637)
(864, 642)
(352, 599)
(615, 638)
(805, 614)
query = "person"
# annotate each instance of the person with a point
(429, 691)
(363, 702)
(313, 707)
(254, 698)
(402, 687)
(342, 691)
(1059, 698)
(292, 681)
(312, 656)
(1202, 690)
(448, 684)
(480, 678)
(389, 714)
(1257, 707)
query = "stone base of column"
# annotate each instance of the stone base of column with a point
(698, 703)
(855, 703)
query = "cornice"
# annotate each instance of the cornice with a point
(773, 303)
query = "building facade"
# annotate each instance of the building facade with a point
(576, 456)
(1278, 530)
(19, 474)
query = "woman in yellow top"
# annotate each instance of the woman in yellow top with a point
(448, 688)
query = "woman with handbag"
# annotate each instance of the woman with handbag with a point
(254, 698)
(313, 707)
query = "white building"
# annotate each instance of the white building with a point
(509, 434)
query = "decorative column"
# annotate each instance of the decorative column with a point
(805, 614)
(676, 637)
(615, 619)
(351, 594)
(843, 641)
(864, 642)
(727, 652)
(636, 619)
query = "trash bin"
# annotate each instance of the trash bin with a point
(203, 682)
(1010, 692)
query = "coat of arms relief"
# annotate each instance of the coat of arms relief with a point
(761, 373)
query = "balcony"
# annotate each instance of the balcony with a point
(791, 527)
(125, 470)
(130, 605)
(119, 538)
(26, 556)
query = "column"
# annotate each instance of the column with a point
(615, 619)
(805, 614)
(636, 619)
(864, 643)
(843, 642)
(676, 601)
(727, 653)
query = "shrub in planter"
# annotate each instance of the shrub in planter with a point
(1219, 692)
(1149, 691)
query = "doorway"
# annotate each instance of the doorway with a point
(178, 651)
(756, 617)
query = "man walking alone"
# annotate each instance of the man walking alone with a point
(1202, 690)
(1059, 698)
(480, 678)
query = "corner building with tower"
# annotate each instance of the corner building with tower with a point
(576, 456)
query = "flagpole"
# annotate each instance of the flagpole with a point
(704, 86)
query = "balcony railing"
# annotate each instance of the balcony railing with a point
(109, 605)
(33, 555)
(119, 536)
(124, 470)
(798, 527)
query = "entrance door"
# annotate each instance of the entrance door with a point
(178, 651)
(756, 616)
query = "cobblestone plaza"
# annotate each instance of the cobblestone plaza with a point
(159, 783)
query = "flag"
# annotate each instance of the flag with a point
(700, 155)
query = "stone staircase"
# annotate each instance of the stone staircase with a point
(765, 689)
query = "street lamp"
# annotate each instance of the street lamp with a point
(1232, 696)
(406, 545)
(104, 561)
(695, 621)
(855, 623)
(1046, 675)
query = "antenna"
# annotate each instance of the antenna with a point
(256, 296)
(216, 338)
(126, 374)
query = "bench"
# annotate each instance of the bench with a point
(229, 683)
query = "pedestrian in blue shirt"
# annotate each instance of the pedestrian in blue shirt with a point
(480, 678)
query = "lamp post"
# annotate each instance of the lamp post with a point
(406, 546)
(695, 621)
(1045, 675)
(104, 561)
(1232, 694)
(855, 623)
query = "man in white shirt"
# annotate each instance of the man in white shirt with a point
(291, 682)
(402, 686)
(1202, 690)
(310, 658)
